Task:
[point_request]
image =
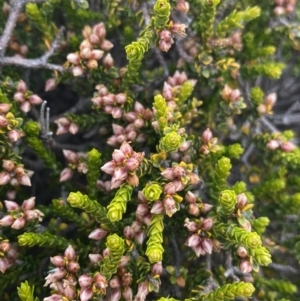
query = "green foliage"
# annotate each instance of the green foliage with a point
(94, 162)
(109, 264)
(230, 292)
(204, 94)
(118, 205)
(25, 292)
(44, 239)
(78, 200)
(227, 202)
(162, 10)
(155, 249)
(236, 19)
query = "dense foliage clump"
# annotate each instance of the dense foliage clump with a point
(149, 150)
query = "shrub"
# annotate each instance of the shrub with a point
(148, 150)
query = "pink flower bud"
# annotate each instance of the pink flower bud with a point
(126, 279)
(94, 39)
(142, 210)
(4, 108)
(107, 109)
(273, 144)
(73, 267)
(140, 237)
(139, 123)
(11, 205)
(71, 156)
(271, 99)
(131, 136)
(21, 87)
(169, 189)
(234, 95)
(207, 224)
(119, 177)
(92, 64)
(25, 106)
(73, 129)
(241, 200)
(124, 261)
(245, 266)
(35, 99)
(97, 54)
(106, 45)
(116, 113)
(5, 246)
(121, 138)
(287, 146)
(86, 53)
(170, 206)
(99, 30)
(126, 149)
(98, 234)
(69, 253)
(194, 179)
(50, 84)
(115, 282)
(127, 293)
(97, 101)
(14, 135)
(85, 294)
(226, 92)
(115, 294)
(70, 292)
(108, 61)
(29, 204)
(73, 58)
(242, 252)
(121, 98)
(157, 268)
(95, 258)
(146, 219)
(66, 174)
(109, 167)
(54, 297)
(132, 164)
(100, 281)
(85, 44)
(179, 29)
(183, 6)
(207, 245)
(8, 165)
(190, 197)
(164, 45)
(136, 226)
(118, 156)
(155, 125)
(85, 281)
(193, 209)
(19, 223)
(4, 264)
(191, 226)
(205, 208)
(77, 70)
(58, 261)
(168, 173)
(6, 221)
(185, 146)
(207, 136)
(3, 121)
(157, 208)
(19, 97)
(178, 185)
(128, 232)
(193, 241)
(102, 90)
